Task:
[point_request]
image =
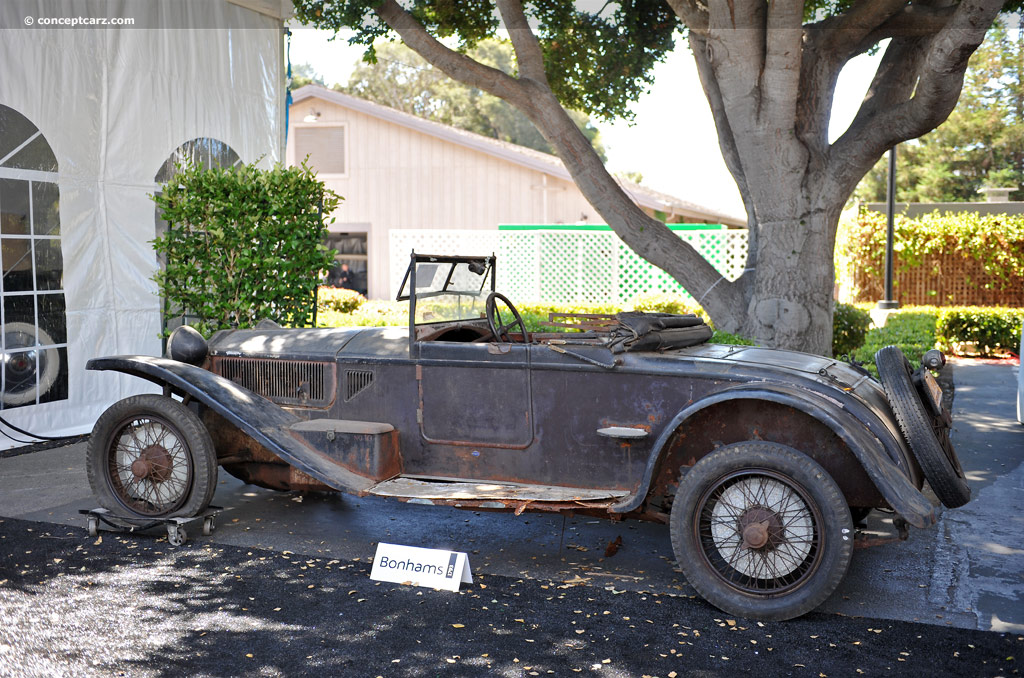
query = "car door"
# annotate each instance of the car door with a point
(475, 394)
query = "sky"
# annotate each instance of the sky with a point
(672, 141)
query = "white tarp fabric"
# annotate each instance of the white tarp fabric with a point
(114, 103)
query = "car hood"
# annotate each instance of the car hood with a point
(312, 344)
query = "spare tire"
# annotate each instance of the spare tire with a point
(926, 432)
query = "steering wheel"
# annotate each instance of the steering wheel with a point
(498, 328)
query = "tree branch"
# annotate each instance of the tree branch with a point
(456, 65)
(844, 32)
(694, 16)
(528, 52)
(783, 48)
(915, 89)
(531, 94)
(913, 21)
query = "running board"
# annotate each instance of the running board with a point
(417, 490)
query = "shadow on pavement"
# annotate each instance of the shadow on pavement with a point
(133, 605)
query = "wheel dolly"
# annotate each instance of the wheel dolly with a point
(176, 535)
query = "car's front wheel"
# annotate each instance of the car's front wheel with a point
(149, 456)
(761, 531)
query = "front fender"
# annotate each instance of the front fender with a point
(892, 482)
(265, 422)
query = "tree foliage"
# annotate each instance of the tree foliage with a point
(305, 74)
(243, 244)
(404, 80)
(604, 59)
(980, 145)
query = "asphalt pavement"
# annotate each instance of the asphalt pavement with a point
(282, 586)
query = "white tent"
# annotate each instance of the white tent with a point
(92, 116)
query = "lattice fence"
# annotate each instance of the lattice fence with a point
(567, 266)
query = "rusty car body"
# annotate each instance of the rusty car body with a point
(759, 460)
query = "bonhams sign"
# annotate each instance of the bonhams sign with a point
(421, 567)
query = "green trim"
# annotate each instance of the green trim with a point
(601, 227)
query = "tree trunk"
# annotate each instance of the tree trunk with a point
(790, 303)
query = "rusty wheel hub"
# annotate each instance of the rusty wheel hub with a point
(153, 464)
(760, 528)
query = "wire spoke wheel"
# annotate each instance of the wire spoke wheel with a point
(758, 532)
(150, 456)
(761, 530)
(150, 467)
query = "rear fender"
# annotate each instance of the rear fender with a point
(267, 423)
(891, 481)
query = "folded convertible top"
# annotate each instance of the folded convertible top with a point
(636, 331)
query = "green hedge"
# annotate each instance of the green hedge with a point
(849, 329)
(338, 300)
(987, 329)
(911, 329)
(954, 330)
(242, 244)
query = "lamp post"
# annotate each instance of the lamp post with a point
(889, 302)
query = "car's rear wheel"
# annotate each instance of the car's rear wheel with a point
(149, 456)
(761, 531)
(927, 433)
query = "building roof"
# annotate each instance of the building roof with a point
(513, 153)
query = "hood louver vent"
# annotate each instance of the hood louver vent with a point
(286, 382)
(356, 381)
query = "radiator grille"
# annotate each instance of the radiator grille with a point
(356, 381)
(289, 382)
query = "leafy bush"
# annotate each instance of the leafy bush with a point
(849, 328)
(988, 329)
(338, 300)
(666, 303)
(726, 338)
(911, 329)
(373, 313)
(243, 244)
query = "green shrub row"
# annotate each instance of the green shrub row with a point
(911, 329)
(959, 330)
(338, 300)
(979, 329)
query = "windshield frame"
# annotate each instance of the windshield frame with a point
(408, 289)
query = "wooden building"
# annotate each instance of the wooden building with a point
(398, 171)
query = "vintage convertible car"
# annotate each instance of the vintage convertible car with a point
(759, 460)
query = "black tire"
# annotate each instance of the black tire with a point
(761, 531)
(926, 434)
(149, 456)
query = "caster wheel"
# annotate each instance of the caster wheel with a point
(94, 526)
(176, 535)
(208, 526)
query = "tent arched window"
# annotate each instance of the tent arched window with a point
(33, 315)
